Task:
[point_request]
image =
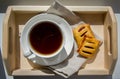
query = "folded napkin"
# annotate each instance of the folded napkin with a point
(74, 61)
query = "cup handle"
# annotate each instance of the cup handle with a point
(27, 53)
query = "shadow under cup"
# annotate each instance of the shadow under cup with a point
(46, 39)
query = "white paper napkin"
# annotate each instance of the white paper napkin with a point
(74, 61)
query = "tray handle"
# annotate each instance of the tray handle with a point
(112, 35)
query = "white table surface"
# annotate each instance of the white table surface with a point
(115, 75)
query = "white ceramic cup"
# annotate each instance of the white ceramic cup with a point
(40, 54)
(61, 54)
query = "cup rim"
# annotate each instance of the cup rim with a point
(42, 55)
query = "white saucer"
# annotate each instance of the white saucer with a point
(67, 46)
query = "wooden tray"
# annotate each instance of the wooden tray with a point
(102, 20)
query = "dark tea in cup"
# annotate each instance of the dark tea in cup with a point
(45, 38)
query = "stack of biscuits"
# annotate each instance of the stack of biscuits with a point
(86, 41)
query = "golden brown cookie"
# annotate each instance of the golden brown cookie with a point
(89, 47)
(81, 31)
